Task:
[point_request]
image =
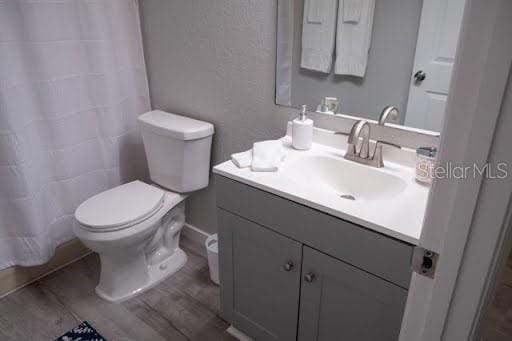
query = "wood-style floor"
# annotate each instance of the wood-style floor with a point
(184, 307)
(497, 325)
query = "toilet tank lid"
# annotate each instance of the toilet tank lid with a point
(175, 126)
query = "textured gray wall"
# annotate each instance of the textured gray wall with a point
(391, 58)
(215, 61)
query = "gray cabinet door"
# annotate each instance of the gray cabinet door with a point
(341, 302)
(259, 291)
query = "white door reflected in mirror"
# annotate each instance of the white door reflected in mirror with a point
(435, 54)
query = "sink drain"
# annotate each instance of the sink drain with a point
(347, 196)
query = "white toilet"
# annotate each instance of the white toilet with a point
(135, 227)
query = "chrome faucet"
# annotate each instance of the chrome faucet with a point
(361, 129)
(389, 111)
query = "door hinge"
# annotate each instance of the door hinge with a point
(424, 261)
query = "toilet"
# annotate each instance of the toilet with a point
(135, 228)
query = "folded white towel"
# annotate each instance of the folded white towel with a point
(314, 11)
(318, 32)
(353, 37)
(243, 159)
(352, 10)
(267, 156)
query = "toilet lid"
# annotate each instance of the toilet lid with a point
(120, 207)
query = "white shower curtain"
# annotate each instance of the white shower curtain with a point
(72, 83)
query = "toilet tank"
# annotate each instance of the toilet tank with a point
(177, 150)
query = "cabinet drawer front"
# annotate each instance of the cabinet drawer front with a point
(341, 302)
(260, 276)
(369, 250)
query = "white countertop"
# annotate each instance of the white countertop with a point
(400, 217)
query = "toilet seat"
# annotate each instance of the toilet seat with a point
(120, 207)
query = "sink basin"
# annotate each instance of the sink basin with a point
(345, 179)
(388, 200)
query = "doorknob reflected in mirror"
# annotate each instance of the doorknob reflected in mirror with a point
(420, 76)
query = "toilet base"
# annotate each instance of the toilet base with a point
(157, 273)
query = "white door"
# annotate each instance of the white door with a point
(435, 52)
(459, 217)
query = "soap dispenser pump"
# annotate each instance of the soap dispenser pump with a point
(302, 131)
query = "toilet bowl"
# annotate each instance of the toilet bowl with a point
(135, 227)
(137, 249)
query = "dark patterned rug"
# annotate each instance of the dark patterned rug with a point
(83, 332)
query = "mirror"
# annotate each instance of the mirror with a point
(355, 57)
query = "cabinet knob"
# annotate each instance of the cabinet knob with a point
(309, 277)
(288, 266)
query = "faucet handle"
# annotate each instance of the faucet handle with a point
(377, 154)
(380, 143)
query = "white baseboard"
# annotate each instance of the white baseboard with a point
(195, 234)
(237, 334)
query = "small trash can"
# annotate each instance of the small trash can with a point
(212, 249)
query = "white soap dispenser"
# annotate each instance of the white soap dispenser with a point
(302, 131)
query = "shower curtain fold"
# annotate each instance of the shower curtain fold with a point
(72, 83)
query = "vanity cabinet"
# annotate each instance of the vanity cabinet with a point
(289, 272)
(260, 279)
(341, 302)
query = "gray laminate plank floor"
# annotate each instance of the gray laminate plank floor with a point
(497, 324)
(183, 307)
